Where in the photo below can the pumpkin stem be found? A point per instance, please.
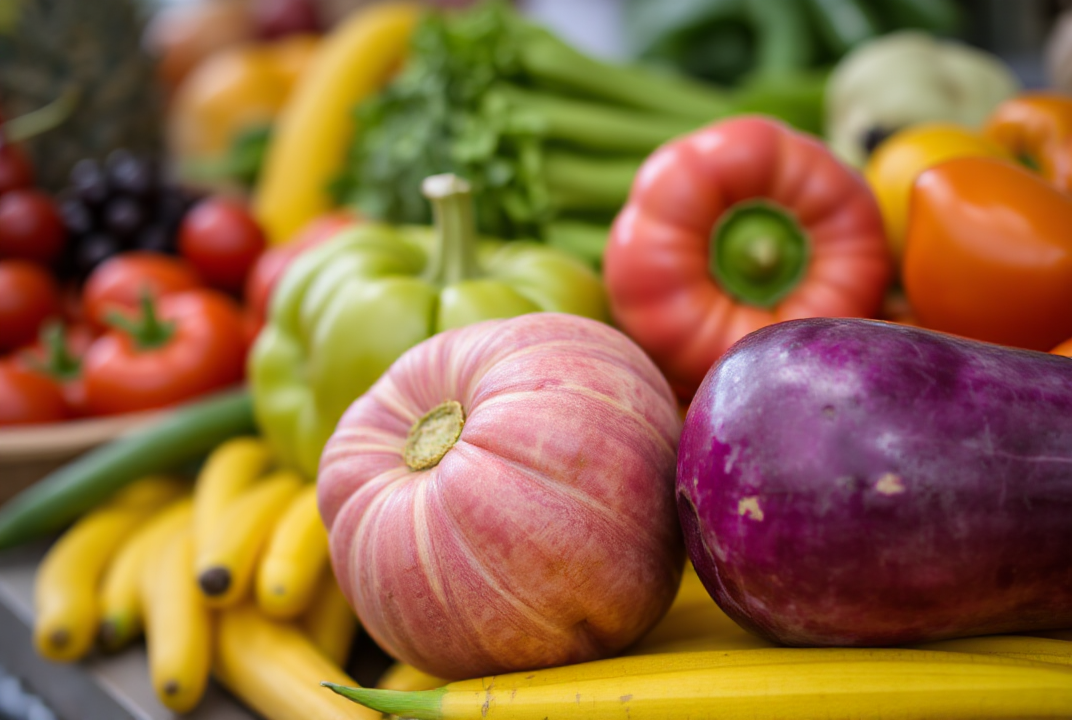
(433, 435)
(452, 207)
(758, 253)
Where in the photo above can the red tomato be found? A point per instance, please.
(120, 282)
(28, 297)
(30, 226)
(193, 345)
(220, 238)
(270, 266)
(27, 397)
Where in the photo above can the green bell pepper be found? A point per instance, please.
(344, 311)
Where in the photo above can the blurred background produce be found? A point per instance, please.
(166, 165)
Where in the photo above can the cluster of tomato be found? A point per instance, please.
(142, 331)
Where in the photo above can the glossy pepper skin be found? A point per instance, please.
(894, 166)
(1036, 128)
(737, 226)
(989, 254)
(344, 311)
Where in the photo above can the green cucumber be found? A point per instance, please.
(184, 434)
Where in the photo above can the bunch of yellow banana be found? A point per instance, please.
(697, 663)
(229, 575)
(804, 684)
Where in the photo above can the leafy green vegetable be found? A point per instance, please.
(535, 126)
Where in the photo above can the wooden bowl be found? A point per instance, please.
(29, 452)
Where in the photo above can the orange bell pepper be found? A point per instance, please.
(1036, 128)
(989, 254)
(894, 166)
(741, 224)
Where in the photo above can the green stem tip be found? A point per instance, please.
(758, 253)
(417, 704)
(147, 329)
(452, 207)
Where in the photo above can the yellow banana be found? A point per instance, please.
(275, 669)
(330, 621)
(227, 559)
(67, 610)
(314, 129)
(1038, 649)
(229, 471)
(120, 597)
(178, 632)
(404, 678)
(294, 560)
(804, 684)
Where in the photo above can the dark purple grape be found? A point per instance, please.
(77, 218)
(93, 250)
(123, 217)
(156, 238)
(90, 182)
(130, 174)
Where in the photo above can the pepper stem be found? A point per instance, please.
(452, 208)
(416, 704)
(758, 253)
(147, 329)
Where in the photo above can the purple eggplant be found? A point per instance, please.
(854, 482)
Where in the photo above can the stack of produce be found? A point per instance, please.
(775, 485)
(120, 295)
(549, 138)
(348, 308)
(507, 487)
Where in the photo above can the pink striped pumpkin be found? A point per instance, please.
(540, 532)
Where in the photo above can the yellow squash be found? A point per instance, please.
(230, 470)
(120, 597)
(66, 604)
(274, 668)
(228, 557)
(178, 633)
(296, 556)
(313, 130)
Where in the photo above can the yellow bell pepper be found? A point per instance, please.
(234, 91)
(314, 129)
(895, 165)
